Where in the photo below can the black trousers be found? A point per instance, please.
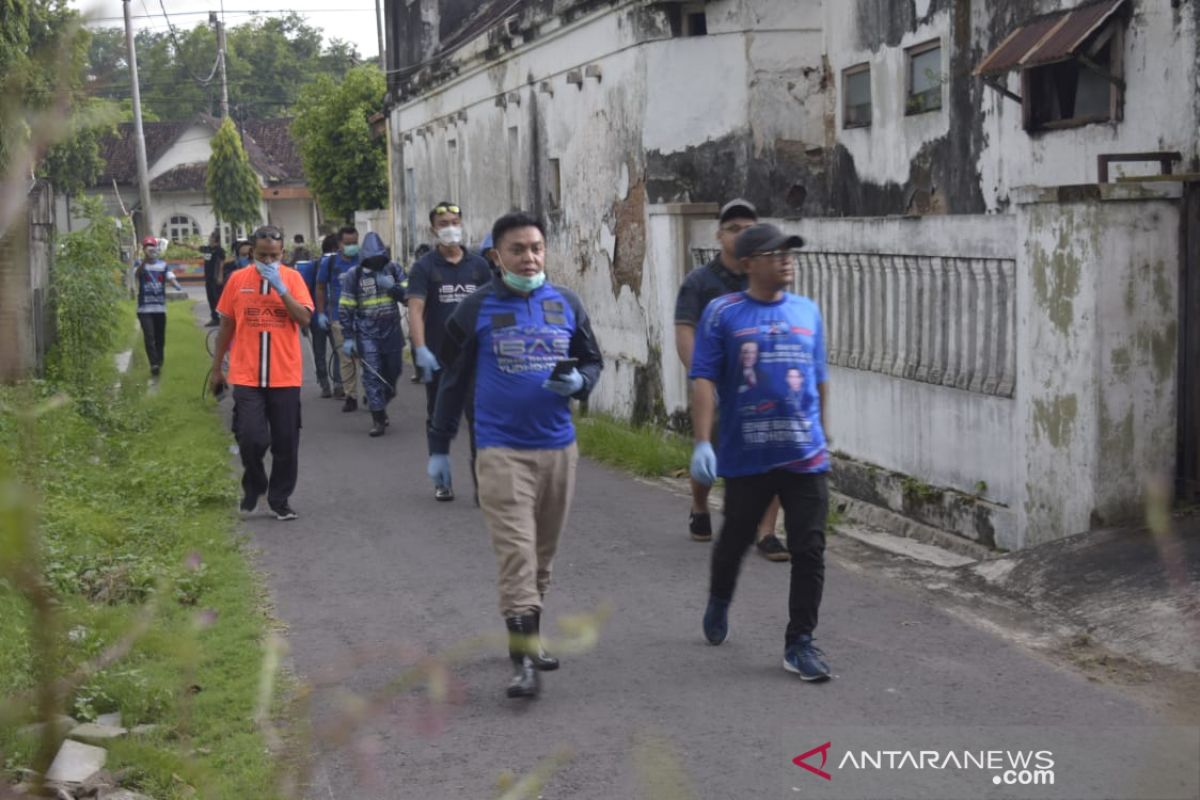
(320, 344)
(805, 500)
(213, 293)
(154, 333)
(431, 390)
(268, 419)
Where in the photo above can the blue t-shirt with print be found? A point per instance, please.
(766, 360)
(329, 275)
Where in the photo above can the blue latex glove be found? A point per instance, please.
(322, 321)
(384, 282)
(565, 386)
(350, 348)
(704, 464)
(428, 363)
(439, 469)
(270, 272)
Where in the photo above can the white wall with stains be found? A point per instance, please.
(653, 93)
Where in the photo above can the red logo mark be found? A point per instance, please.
(824, 751)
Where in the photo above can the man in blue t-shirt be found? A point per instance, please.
(718, 277)
(762, 352)
(437, 283)
(528, 348)
(329, 291)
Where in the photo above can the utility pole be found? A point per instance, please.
(143, 170)
(220, 25)
(379, 30)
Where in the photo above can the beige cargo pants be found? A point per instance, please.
(525, 496)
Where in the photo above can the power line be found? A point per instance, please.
(241, 12)
(179, 49)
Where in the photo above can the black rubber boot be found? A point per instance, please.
(525, 682)
(378, 423)
(351, 404)
(542, 661)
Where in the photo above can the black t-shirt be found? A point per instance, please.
(443, 286)
(702, 286)
(214, 262)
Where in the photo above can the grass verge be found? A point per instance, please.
(135, 507)
(647, 451)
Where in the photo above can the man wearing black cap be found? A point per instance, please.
(718, 277)
(772, 439)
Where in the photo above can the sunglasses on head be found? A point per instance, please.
(269, 233)
(448, 209)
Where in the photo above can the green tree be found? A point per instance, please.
(345, 165)
(268, 60)
(231, 183)
(46, 122)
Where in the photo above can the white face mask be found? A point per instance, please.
(451, 234)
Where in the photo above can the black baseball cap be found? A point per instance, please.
(737, 209)
(764, 238)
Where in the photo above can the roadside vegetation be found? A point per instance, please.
(122, 585)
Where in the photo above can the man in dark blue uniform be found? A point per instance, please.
(772, 436)
(437, 283)
(370, 318)
(528, 348)
(329, 287)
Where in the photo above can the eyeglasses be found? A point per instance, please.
(268, 233)
(778, 255)
(447, 209)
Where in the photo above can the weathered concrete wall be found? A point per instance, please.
(914, 401)
(640, 125)
(968, 157)
(1096, 370)
(1160, 110)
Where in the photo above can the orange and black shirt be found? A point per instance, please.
(265, 351)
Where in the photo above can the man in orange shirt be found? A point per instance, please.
(262, 308)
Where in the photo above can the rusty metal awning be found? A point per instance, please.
(1049, 39)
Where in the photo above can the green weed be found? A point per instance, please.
(135, 507)
(645, 451)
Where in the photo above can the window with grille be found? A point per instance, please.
(180, 227)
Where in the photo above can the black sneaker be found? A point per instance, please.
(350, 405)
(212, 323)
(155, 369)
(326, 391)
(770, 548)
(443, 493)
(248, 504)
(284, 513)
(700, 526)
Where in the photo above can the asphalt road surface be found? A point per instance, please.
(376, 572)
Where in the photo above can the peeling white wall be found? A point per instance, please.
(658, 94)
(884, 151)
(192, 147)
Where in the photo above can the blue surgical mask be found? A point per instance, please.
(523, 283)
(243, 261)
(350, 250)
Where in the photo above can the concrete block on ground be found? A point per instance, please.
(76, 762)
(92, 730)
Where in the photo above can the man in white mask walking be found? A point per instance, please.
(437, 283)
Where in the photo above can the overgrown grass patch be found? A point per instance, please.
(647, 451)
(136, 506)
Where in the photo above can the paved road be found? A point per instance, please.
(374, 563)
